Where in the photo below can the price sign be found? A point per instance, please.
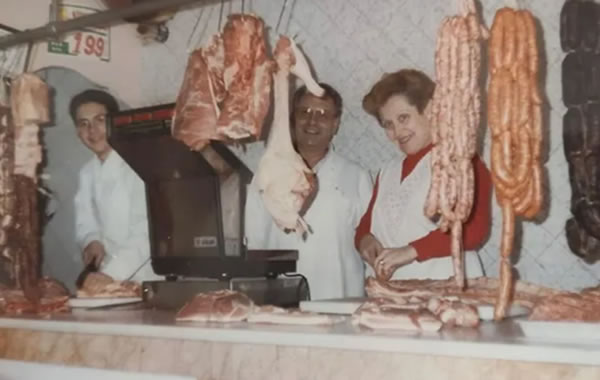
(90, 43)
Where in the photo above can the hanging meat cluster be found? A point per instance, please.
(581, 124)
(455, 118)
(20, 235)
(283, 179)
(515, 123)
(225, 94)
(8, 197)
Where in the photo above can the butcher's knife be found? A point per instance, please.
(91, 267)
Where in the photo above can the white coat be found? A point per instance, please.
(399, 219)
(110, 206)
(327, 258)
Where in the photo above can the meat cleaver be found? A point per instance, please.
(91, 267)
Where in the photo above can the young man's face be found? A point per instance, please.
(90, 121)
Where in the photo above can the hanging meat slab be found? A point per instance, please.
(29, 109)
(247, 78)
(196, 108)
(283, 179)
(8, 198)
(226, 89)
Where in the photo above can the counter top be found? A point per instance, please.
(504, 341)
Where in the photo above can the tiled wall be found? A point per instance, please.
(351, 43)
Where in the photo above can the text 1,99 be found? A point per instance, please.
(92, 45)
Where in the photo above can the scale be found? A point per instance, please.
(196, 216)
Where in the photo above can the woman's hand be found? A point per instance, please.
(370, 248)
(393, 258)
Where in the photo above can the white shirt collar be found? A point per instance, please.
(324, 160)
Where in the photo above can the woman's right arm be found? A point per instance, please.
(367, 245)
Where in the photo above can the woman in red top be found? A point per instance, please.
(394, 236)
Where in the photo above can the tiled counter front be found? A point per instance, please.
(218, 360)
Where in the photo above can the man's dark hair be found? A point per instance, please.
(330, 93)
(93, 96)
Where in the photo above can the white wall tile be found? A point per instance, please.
(350, 43)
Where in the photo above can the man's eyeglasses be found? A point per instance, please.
(87, 123)
(318, 114)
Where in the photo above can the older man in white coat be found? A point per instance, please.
(110, 204)
(327, 257)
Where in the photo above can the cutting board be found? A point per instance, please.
(348, 306)
(344, 306)
(561, 331)
(97, 302)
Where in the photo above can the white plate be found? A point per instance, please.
(97, 302)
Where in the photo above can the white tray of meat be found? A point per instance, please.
(90, 302)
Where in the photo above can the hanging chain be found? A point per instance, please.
(221, 13)
(195, 26)
(280, 15)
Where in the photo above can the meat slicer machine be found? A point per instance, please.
(195, 206)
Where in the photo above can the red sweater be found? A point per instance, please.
(438, 243)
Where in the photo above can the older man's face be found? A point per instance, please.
(316, 121)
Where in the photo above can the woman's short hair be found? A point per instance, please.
(415, 85)
(93, 96)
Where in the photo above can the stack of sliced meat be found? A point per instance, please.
(283, 179)
(226, 88)
(54, 298)
(227, 306)
(572, 307)
(480, 291)
(100, 285)
(455, 114)
(415, 313)
(515, 123)
(581, 125)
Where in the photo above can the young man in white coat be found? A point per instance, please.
(327, 257)
(110, 204)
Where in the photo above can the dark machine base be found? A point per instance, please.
(172, 295)
(257, 263)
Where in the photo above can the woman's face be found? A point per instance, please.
(404, 125)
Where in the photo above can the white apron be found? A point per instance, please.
(398, 219)
(327, 257)
(111, 207)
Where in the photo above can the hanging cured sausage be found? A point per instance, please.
(454, 116)
(515, 123)
(579, 37)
